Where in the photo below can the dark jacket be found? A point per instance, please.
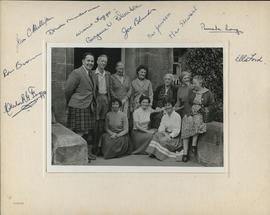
(159, 95)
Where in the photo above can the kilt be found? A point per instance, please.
(80, 120)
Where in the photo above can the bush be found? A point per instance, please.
(208, 62)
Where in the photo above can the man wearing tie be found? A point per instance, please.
(102, 82)
(80, 98)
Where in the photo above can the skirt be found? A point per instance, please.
(80, 120)
(192, 125)
(115, 147)
(140, 141)
(163, 148)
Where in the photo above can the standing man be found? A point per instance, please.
(121, 87)
(80, 97)
(102, 83)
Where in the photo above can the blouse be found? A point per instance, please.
(142, 87)
(171, 124)
(117, 122)
(142, 117)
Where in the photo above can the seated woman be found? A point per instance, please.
(115, 142)
(141, 134)
(166, 90)
(200, 102)
(166, 142)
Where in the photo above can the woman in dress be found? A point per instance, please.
(165, 143)
(141, 134)
(166, 90)
(198, 105)
(141, 86)
(115, 142)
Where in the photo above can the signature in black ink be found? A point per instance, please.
(182, 23)
(159, 25)
(246, 58)
(121, 15)
(26, 101)
(217, 29)
(19, 65)
(30, 30)
(137, 20)
(51, 31)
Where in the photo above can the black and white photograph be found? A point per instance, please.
(153, 107)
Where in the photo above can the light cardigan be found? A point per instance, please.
(172, 122)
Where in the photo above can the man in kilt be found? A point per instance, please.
(80, 98)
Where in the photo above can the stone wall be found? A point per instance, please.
(62, 65)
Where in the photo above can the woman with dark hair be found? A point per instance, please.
(115, 142)
(198, 106)
(141, 86)
(166, 90)
(166, 142)
(141, 134)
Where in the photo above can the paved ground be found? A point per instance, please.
(142, 160)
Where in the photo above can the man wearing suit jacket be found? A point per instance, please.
(80, 97)
(103, 96)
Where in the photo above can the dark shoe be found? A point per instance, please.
(185, 158)
(194, 149)
(91, 157)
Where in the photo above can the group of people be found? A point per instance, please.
(119, 117)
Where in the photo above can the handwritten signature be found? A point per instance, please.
(217, 29)
(246, 58)
(31, 30)
(137, 20)
(26, 101)
(182, 22)
(158, 26)
(19, 65)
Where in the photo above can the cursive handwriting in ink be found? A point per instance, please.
(159, 25)
(19, 65)
(217, 29)
(246, 58)
(137, 20)
(19, 42)
(26, 101)
(98, 35)
(121, 15)
(69, 20)
(182, 22)
(35, 27)
(52, 30)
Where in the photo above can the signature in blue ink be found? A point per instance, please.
(99, 18)
(26, 101)
(121, 15)
(246, 58)
(98, 35)
(19, 65)
(158, 26)
(182, 23)
(51, 31)
(30, 30)
(217, 29)
(137, 20)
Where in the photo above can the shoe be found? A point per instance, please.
(185, 158)
(194, 149)
(92, 157)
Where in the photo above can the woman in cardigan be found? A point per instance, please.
(198, 104)
(115, 142)
(166, 90)
(141, 134)
(141, 86)
(121, 87)
(166, 142)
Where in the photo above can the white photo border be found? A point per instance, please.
(49, 168)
